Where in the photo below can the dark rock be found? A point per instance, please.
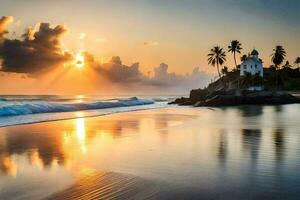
(230, 98)
(187, 103)
(221, 100)
(198, 95)
(179, 100)
(284, 98)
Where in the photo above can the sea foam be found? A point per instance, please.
(49, 107)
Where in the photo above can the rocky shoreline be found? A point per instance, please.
(203, 97)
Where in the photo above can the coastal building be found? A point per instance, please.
(252, 65)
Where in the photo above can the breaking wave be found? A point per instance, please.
(48, 107)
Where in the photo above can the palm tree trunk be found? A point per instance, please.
(220, 75)
(235, 60)
(238, 86)
(218, 70)
(276, 77)
(280, 78)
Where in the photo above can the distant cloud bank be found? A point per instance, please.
(116, 72)
(151, 43)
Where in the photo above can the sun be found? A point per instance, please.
(79, 60)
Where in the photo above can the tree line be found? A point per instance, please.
(217, 57)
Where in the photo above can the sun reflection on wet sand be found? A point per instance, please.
(36, 160)
(81, 134)
(8, 166)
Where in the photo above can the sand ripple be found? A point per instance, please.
(109, 186)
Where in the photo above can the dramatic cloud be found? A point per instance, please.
(38, 51)
(116, 72)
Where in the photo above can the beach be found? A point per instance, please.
(156, 100)
(241, 152)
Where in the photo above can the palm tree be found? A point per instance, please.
(217, 56)
(244, 58)
(297, 61)
(235, 47)
(287, 64)
(224, 70)
(278, 56)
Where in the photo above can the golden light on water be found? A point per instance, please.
(81, 134)
(79, 99)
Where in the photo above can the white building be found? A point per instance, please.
(252, 65)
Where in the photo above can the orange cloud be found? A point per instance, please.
(151, 43)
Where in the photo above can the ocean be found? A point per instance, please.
(170, 152)
(22, 109)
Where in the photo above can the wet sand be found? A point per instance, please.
(249, 152)
(110, 186)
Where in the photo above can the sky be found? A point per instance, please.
(150, 32)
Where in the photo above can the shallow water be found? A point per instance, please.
(248, 152)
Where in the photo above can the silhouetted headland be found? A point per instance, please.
(232, 89)
(249, 82)
(202, 97)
